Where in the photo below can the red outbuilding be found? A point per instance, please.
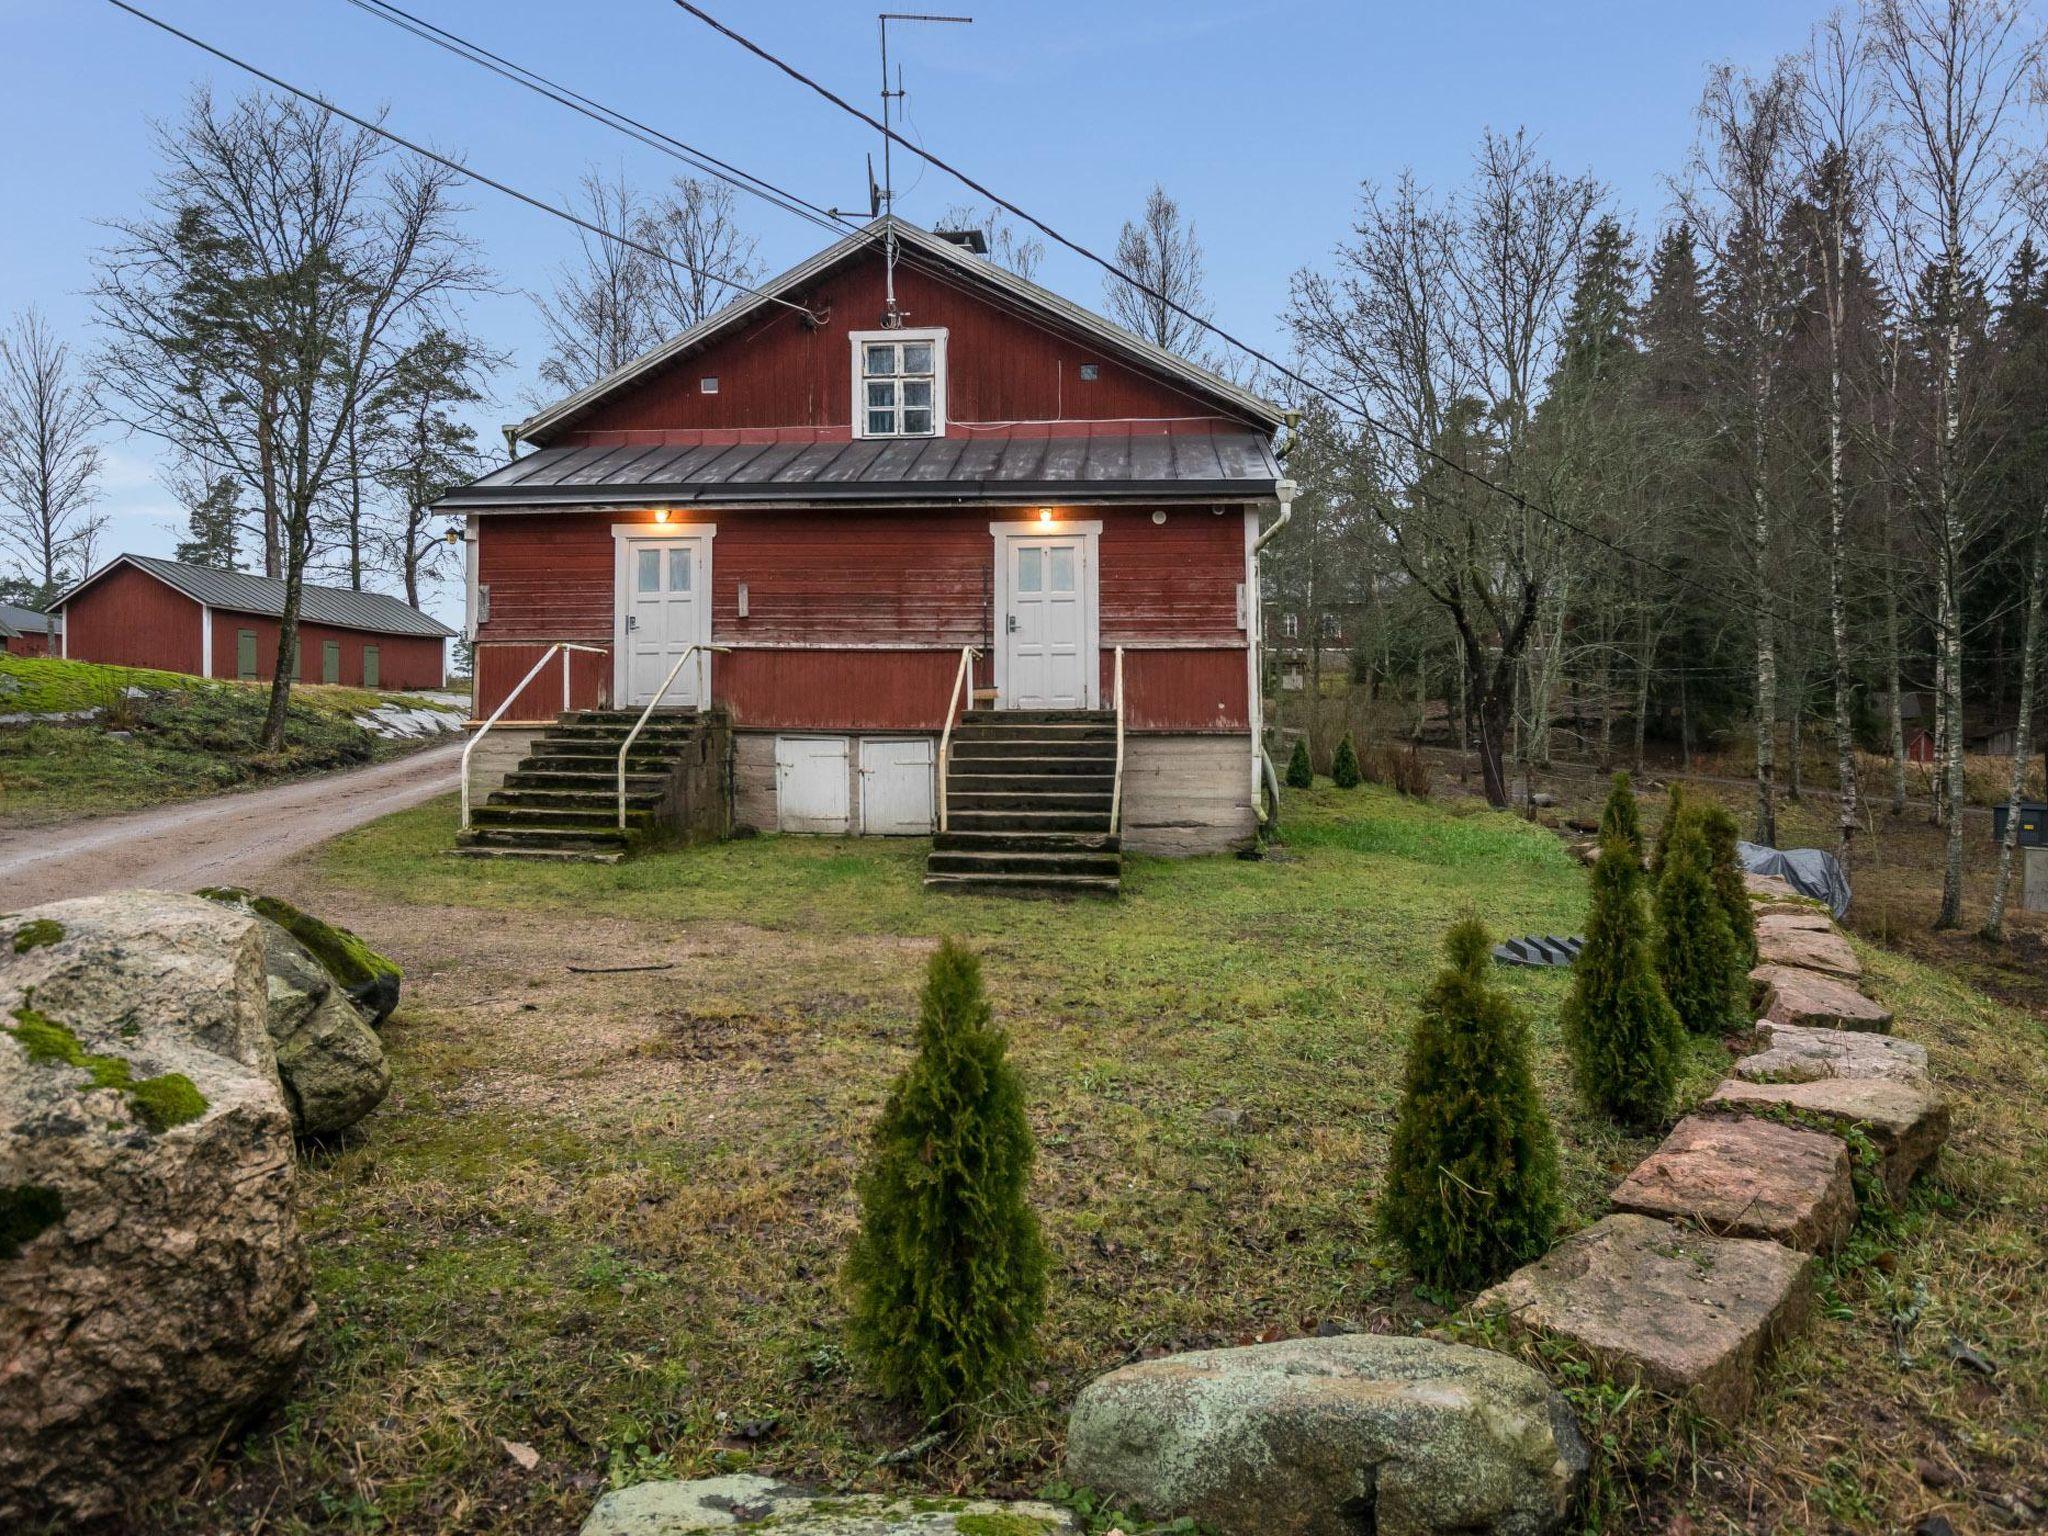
(28, 631)
(139, 611)
(894, 462)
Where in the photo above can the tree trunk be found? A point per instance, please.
(2030, 662)
(1950, 794)
(1489, 697)
(1766, 659)
(1897, 682)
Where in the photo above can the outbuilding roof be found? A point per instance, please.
(17, 620)
(240, 592)
(1120, 465)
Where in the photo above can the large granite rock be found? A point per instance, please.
(371, 980)
(1747, 1178)
(329, 1057)
(1807, 949)
(1791, 1054)
(1780, 917)
(748, 1503)
(1790, 995)
(153, 1286)
(1329, 1437)
(1664, 1305)
(1907, 1122)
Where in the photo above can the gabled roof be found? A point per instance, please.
(17, 620)
(1105, 465)
(239, 592)
(945, 253)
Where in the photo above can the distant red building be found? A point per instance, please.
(139, 611)
(844, 491)
(26, 631)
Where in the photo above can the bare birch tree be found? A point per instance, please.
(599, 315)
(49, 459)
(697, 224)
(1009, 244)
(1160, 250)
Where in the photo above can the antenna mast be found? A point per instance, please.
(890, 317)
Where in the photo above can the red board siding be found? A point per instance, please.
(1181, 690)
(403, 661)
(130, 619)
(37, 644)
(778, 372)
(500, 667)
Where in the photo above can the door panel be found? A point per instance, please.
(811, 784)
(373, 669)
(330, 661)
(1045, 631)
(896, 788)
(665, 606)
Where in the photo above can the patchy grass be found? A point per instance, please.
(603, 1211)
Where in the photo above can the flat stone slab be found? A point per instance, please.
(1792, 1054)
(1771, 887)
(1667, 1306)
(1747, 1178)
(1786, 994)
(1331, 1437)
(1788, 919)
(1807, 949)
(1906, 1121)
(743, 1502)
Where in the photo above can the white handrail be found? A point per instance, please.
(565, 647)
(703, 655)
(968, 655)
(1116, 791)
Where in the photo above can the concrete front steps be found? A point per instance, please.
(561, 802)
(1028, 797)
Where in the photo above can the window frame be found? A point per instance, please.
(857, 403)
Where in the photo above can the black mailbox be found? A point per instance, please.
(2033, 824)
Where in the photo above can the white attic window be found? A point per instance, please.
(899, 383)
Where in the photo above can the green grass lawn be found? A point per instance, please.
(603, 1211)
(180, 736)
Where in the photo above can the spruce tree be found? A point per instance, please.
(1299, 774)
(1724, 866)
(1699, 959)
(947, 1276)
(1621, 1030)
(1674, 808)
(1344, 766)
(1621, 818)
(1472, 1171)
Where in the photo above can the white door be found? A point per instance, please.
(811, 784)
(1049, 594)
(896, 788)
(665, 607)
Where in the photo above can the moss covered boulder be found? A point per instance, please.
(743, 1502)
(154, 1290)
(370, 980)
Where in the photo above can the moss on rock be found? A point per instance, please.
(26, 1212)
(370, 979)
(37, 934)
(161, 1102)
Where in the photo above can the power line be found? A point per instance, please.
(453, 165)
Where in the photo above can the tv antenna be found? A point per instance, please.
(883, 200)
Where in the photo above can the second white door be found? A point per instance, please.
(1046, 623)
(665, 604)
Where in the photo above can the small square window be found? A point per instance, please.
(881, 360)
(917, 357)
(898, 384)
(708, 385)
(1090, 372)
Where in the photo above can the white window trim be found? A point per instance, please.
(623, 535)
(1091, 593)
(857, 399)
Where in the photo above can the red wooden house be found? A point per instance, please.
(849, 498)
(28, 631)
(139, 611)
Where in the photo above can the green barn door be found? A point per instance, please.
(373, 670)
(330, 661)
(245, 653)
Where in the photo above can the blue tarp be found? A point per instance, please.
(1809, 871)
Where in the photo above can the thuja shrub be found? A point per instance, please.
(1621, 817)
(1622, 1033)
(1699, 959)
(1724, 866)
(1344, 766)
(1299, 774)
(947, 1275)
(1674, 808)
(1472, 1174)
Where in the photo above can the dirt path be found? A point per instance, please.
(223, 840)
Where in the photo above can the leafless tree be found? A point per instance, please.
(1954, 74)
(1009, 245)
(1167, 302)
(286, 265)
(49, 460)
(696, 224)
(600, 314)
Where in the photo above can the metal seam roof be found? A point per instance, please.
(240, 592)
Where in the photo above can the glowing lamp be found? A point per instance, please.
(661, 516)
(1045, 514)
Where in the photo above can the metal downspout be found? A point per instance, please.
(1263, 775)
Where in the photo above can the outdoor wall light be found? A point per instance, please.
(1159, 517)
(1045, 514)
(661, 516)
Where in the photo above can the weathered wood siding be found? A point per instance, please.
(130, 619)
(404, 661)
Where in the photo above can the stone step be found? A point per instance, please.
(493, 815)
(1792, 1054)
(686, 714)
(1026, 821)
(552, 855)
(1663, 1305)
(983, 749)
(1025, 885)
(593, 757)
(1786, 994)
(1747, 1178)
(597, 780)
(987, 730)
(594, 798)
(579, 838)
(1016, 717)
(1095, 802)
(956, 839)
(1034, 863)
(1024, 766)
(1907, 1122)
(1807, 949)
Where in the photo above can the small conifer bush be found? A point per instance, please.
(1621, 817)
(1621, 1030)
(1699, 959)
(1472, 1174)
(1299, 774)
(1725, 866)
(1344, 766)
(947, 1276)
(1674, 808)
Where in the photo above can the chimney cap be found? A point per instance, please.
(967, 239)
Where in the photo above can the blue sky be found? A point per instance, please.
(1262, 118)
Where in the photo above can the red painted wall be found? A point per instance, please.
(37, 644)
(834, 589)
(404, 661)
(130, 619)
(1001, 367)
